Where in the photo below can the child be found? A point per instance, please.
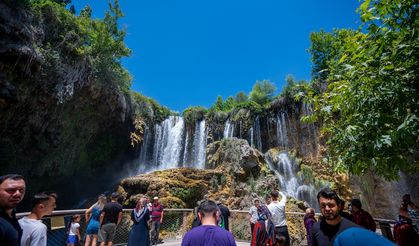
(73, 230)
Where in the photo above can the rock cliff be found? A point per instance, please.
(58, 123)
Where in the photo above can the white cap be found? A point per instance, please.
(155, 198)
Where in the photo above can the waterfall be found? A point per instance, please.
(309, 194)
(228, 129)
(286, 170)
(307, 110)
(169, 145)
(186, 154)
(255, 136)
(281, 130)
(174, 144)
(200, 143)
(144, 147)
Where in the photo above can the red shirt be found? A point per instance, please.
(364, 219)
(156, 211)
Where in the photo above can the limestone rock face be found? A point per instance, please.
(57, 121)
(236, 173)
(236, 156)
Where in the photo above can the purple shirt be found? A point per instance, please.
(308, 223)
(208, 235)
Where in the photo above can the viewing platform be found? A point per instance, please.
(177, 222)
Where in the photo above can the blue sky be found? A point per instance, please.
(187, 52)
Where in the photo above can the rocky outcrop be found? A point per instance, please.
(58, 124)
(236, 156)
(236, 173)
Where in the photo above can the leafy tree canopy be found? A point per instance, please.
(241, 97)
(262, 92)
(100, 41)
(369, 108)
(294, 89)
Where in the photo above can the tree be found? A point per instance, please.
(370, 106)
(218, 106)
(86, 12)
(72, 9)
(321, 51)
(229, 103)
(241, 97)
(262, 92)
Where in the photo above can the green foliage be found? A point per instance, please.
(321, 51)
(100, 41)
(194, 114)
(370, 106)
(308, 176)
(294, 89)
(229, 103)
(262, 92)
(252, 106)
(215, 116)
(225, 106)
(241, 97)
(149, 109)
(189, 195)
(160, 112)
(137, 135)
(86, 12)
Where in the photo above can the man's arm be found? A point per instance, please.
(161, 218)
(284, 197)
(119, 218)
(78, 233)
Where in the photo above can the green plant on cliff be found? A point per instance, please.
(160, 112)
(252, 106)
(138, 134)
(309, 176)
(369, 107)
(149, 109)
(294, 90)
(194, 114)
(189, 195)
(262, 92)
(100, 41)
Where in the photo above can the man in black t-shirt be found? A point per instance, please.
(325, 231)
(110, 217)
(12, 191)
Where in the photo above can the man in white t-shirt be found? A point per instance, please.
(277, 209)
(34, 231)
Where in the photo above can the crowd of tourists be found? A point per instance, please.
(268, 223)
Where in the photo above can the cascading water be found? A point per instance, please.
(286, 170)
(228, 130)
(200, 143)
(173, 146)
(168, 147)
(281, 130)
(255, 136)
(307, 110)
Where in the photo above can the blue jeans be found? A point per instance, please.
(155, 229)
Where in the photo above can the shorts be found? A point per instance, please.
(107, 232)
(281, 233)
(72, 239)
